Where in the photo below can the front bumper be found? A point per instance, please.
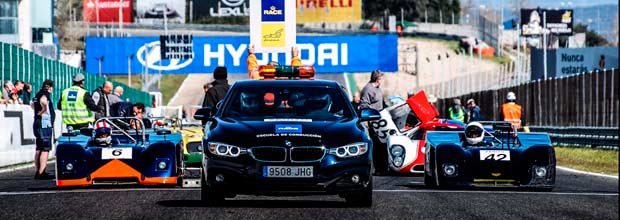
(330, 176)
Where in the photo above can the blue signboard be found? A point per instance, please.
(328, 54)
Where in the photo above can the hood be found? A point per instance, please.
(421, 107)
(277, 132)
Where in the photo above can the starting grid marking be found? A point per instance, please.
(376, 191)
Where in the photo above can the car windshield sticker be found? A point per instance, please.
(287, 120)
(288, 135)
(288, 129)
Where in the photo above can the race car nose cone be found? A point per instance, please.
(355, 179)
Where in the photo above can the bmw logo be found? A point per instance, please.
(288, 143)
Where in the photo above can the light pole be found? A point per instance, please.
(99, 60)
(129, 58)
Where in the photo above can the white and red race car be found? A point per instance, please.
(403, 128)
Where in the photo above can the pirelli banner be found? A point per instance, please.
(317, 11)
(272, 25)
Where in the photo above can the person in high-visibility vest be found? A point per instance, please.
(77, 105)
(512, 111)
(252, 64)
(296, 61)
(457, 112)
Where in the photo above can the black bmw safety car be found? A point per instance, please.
(286, 137)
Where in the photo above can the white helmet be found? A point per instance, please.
(474, 133)
(511, 96)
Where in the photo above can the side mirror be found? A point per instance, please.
(86, 132)
(203, 114)
(369, 114)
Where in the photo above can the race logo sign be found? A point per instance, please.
(272, 25)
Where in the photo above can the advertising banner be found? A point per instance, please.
(107, 11)
(220, 8)
(154, 11)
(559, 22)
(272, 25)
(316, 11)
(569, 61)
(328, 54)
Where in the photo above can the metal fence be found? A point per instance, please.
(584, 100)
(20, 64)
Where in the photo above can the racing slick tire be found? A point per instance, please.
(207, 195)
(362, 198)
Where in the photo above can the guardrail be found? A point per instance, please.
(594, 137)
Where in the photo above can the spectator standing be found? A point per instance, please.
(77, 105)
(356, 102)
(296, 61)
(101, 97)
(19, 88)
(432, 99)
(457, 112)
(27, 94)
(6, 90)
(473, 111)
(218, 91)
(512, 111)
(116, 96)
(371, 95)
(43, 127)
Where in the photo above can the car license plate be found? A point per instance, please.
(288, 171)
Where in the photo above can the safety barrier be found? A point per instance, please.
(19, 64)
(594, 137)
(17, 137)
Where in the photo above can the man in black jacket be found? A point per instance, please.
(219, 89)
(100, 96)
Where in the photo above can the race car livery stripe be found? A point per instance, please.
(159, 180)
(74, 182)
(115, 169)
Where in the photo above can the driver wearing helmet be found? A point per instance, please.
(103, 133)
(474, 134)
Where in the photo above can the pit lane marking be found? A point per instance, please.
(376, 191)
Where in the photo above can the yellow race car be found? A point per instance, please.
(192, 153)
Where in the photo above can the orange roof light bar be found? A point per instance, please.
(290, 72)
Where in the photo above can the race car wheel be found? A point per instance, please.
(429, 181)
(362, 198)
(207, 194)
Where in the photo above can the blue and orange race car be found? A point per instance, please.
(118, 153)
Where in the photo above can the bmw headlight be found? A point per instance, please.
(397, 151)
(69, 167)
(350, 150)
(226, 150)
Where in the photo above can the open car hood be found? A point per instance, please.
(421, 107)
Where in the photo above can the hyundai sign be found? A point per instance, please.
(328, 54)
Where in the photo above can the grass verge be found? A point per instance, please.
(170, 83)
(586, 159)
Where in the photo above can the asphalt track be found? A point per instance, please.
(576, 196)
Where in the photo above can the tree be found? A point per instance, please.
(593, 39)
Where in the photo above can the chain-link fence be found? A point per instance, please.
(20, 64)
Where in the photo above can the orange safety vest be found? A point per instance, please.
(512, 114)
(296, 61)
(253, 67)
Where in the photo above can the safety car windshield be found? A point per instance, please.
(316, 103)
